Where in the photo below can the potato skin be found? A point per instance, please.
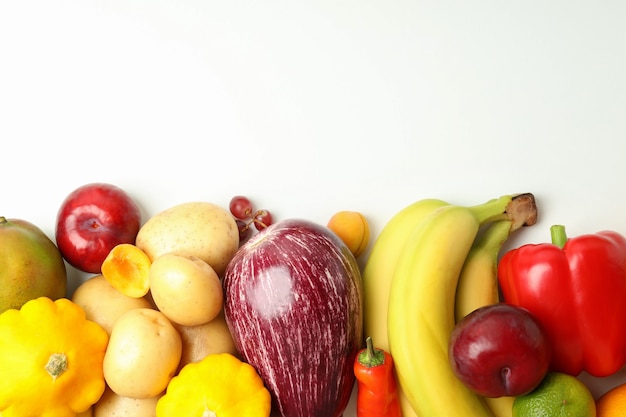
(113, 405)
(196, 228)
(143, 354)
(205, 339)
(103, 303)
(186, 289)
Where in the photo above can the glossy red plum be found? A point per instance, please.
(92, 220)
(499, 350)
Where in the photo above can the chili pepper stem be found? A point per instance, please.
(377, 387)
(369, 345)
(370, 356)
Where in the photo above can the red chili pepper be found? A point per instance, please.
(377, 394)
(576, 288)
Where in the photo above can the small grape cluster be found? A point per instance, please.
(246, 216)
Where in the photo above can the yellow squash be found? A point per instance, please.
(50, 360)
(218, 385)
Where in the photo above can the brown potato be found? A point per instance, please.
(113, 405)
(199, 228)
(143, 354)
(205, 339)
(103, 303)
(186, 289)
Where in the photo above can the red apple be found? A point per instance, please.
(499, 350)
(92, 220)
(293, 304)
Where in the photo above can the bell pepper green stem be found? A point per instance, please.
(558, 235)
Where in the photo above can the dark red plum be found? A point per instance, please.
(499, 350)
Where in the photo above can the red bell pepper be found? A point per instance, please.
(576, 288)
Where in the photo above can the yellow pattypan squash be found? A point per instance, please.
(50, 360)
(220, 385)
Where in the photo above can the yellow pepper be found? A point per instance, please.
(220, 385)
(50, 360)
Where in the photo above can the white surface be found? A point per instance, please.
(314, 106)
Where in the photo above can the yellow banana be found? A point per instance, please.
(478, 281)
(379, 268)
(381, 263)
(478, 286)
(501, 406)
(421, 309)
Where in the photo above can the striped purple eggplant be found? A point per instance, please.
(293, 303)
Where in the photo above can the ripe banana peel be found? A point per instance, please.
(478, 286)
(379, 269)
(501, 406)
(421, 314)
(381, 263)
(421, 308)
(478, 281)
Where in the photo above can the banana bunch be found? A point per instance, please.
(433, 263)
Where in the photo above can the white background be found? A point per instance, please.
(310, 107)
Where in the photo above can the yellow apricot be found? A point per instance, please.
(127, 269)
(353, 229)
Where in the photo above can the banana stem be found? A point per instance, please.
(492, 210)
(520, 209)
(492, 240)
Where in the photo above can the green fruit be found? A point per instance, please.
(558, 395)
(31, 265)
